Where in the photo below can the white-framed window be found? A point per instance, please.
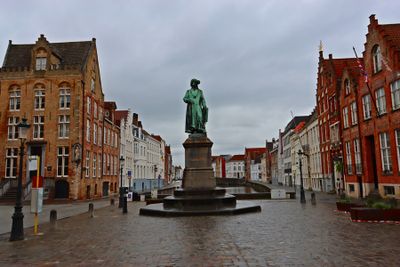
(104, 164)
(109, 136)
(15, 100)
(63, 126)
(95, 109)
(13, 132)
(88, 130)
(94, 165)
(347, 86)
(366, 100)
(108, 164)
(64, 98)
(41, 63)
(377, 58)
(39, 99)
(348, 158)
(87, 164)
(88, 106)
(99, 165)
(38, 127)
(398, 146)
(395, 89)
(100, 113)
(380, 101)
(353, 108)
(94, 133)
(100, 135)
(385, 152)
(357, 156)
(92, 84)
(62, 161)
(105, 136)
(11, 162)
(345, 117)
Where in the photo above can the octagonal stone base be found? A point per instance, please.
(199, 195)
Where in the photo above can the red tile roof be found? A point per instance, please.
(237, 158)
(299, 126)
(119, 115)
(339, 64)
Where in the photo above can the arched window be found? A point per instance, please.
(377, 58)
(14, 98)
(347, 86)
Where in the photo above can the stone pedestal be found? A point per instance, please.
(199, 195)
(198, 173)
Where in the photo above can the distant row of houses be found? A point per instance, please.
(351, 141)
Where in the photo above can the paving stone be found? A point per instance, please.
(285, 233)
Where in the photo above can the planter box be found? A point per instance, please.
(370, 214)
(347, 206)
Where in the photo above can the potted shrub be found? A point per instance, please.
(377, 210)
(345, 203)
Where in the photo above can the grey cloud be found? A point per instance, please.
(257, 60)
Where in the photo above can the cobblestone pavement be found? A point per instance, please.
(63, 211)
(285, 233)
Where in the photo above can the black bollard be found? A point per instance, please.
(53, 219)
(91, 210)
(125, 207)
(112, 202)
(313, 200)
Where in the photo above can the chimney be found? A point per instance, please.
(93, 40)
(135, 119)
(330, 56)
(373, 20)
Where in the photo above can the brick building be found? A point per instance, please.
(330, 73)
(57, 88)
(372, 136)
(111, 150)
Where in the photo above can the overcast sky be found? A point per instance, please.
(256, 60)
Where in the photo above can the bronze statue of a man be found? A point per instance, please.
(197, 111)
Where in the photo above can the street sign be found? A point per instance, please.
(36, 200)
(33, 163)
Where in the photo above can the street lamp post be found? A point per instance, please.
(302, 195)
(121, 191)
(17, 229)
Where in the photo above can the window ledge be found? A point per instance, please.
(387, 173)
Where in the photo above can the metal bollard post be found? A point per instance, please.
(53, 219)
(91, 210)
(125, 207)
(313, 200)
(112, 202)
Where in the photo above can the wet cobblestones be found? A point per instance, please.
(285, 233)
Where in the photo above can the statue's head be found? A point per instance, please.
(194, 83)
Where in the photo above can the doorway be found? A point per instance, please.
(105, 188)
(371, 160)
(61, 189)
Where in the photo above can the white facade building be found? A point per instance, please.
(124, 119)
(255, 169)
(235, 167)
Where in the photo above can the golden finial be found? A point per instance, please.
(321, 48)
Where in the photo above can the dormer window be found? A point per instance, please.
(377, 58)
(41, 63)
(347, 86)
